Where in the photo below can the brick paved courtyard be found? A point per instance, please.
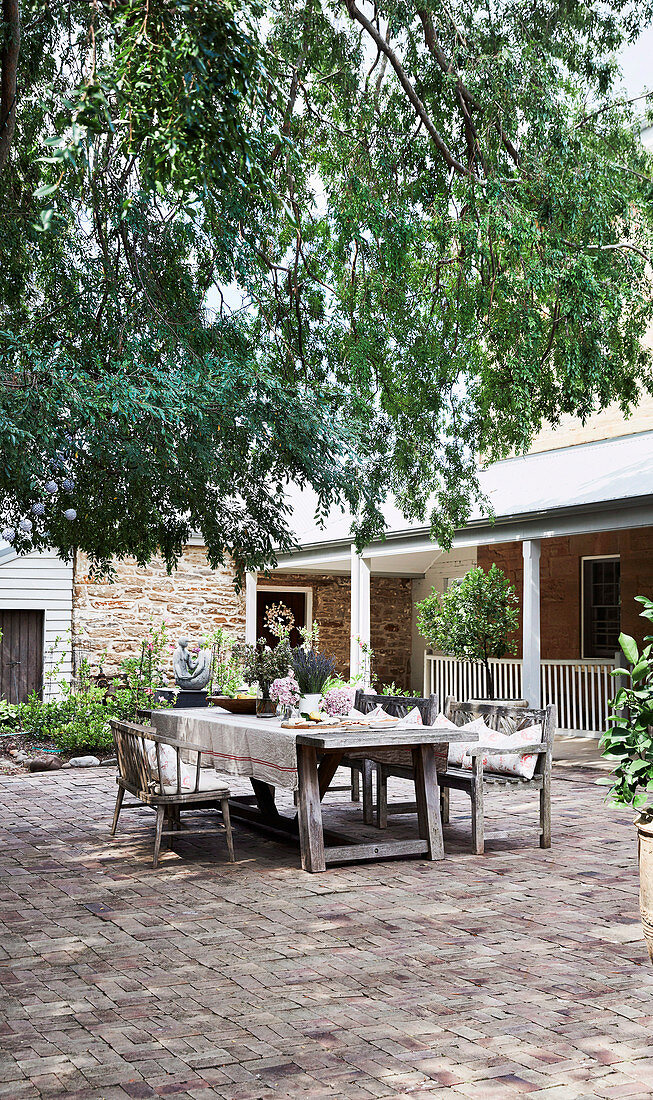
(517, 972)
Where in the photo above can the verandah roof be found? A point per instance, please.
(600, 486)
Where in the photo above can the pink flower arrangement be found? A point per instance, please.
(338, 701)
(285, 691)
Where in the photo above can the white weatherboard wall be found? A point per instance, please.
(42, 582)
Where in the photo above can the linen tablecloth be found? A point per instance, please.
(236, 744)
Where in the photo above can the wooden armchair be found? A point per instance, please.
(508, 720)
(397, 705)
(151, 768)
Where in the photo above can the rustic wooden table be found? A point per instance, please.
(231, 747)
(318, 757)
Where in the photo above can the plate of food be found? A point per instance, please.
(314, 721)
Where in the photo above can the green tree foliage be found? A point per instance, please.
(437, 217)
(473, 619)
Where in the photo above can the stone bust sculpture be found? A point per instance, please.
(192, 671)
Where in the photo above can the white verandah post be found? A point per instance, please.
(365, 613)
(250, 607)
(531, 623)
(360, 611)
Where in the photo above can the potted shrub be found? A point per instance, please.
(473, 619)
(312, 671)
(628, 743)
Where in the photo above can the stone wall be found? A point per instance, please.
(607, 424)
(391, 620)
(560, 571)
(195, 599)
(114, 617)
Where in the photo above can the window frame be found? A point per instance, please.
(583, 604)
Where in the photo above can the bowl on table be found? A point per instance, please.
(246, 705)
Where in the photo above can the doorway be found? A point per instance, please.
(21, 654)
(298, 600)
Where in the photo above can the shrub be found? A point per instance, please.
(79, 719)
(85, 733)
(628, 742)
(473, 619)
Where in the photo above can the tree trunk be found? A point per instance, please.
(8, 76)
(489, 679)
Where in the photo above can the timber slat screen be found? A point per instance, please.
(21, 654)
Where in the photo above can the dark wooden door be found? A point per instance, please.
(296, 601)
(21, 654)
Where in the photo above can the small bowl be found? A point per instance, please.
(234, 706)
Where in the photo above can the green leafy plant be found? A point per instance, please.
(87, 731)
(261, 665)
(392, 689)
(226, 672)
(628, 740)
(8, 713)
(78, 718)
(473, 619)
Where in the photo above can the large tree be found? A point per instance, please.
(438, 218)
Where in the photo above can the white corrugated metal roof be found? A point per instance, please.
(585, 474)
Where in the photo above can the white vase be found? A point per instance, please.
(310, 703)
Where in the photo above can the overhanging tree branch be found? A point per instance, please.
(420, 109)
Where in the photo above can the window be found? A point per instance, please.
(601, 607)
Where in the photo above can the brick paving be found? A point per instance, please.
(520, 972)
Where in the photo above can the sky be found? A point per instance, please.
(637, 63)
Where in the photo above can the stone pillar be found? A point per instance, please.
(531, 619)
(250, 607)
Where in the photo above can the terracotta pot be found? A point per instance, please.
(645, 834)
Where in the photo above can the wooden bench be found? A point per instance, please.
(151, 785)
(474, 782)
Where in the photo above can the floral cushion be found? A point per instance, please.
(458, 749)
(509, 762)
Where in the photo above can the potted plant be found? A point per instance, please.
(473, 619)
(262, 665)
(312, 671)
(628, 743)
